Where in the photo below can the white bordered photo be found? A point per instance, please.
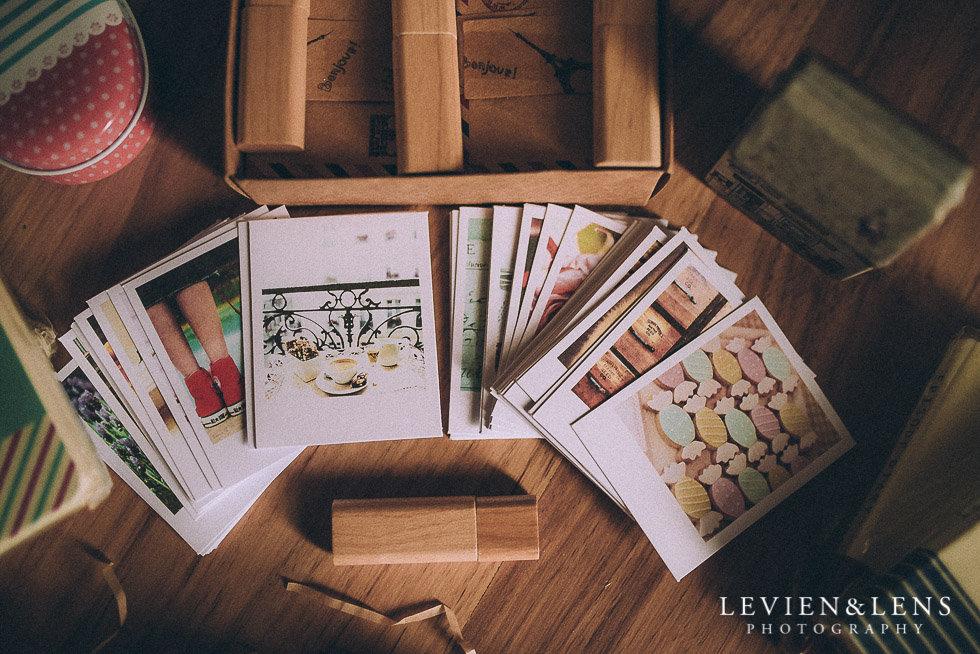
(683, 303)
(342, 329)
(713, 437)
(189, 309)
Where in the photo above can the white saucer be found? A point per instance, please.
(330, 387)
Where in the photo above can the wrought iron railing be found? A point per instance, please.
(340, 316)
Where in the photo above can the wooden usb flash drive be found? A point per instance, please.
(272, 76)
(435, 529)
(428, 127)
(626, 84)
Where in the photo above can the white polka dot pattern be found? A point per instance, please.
(83, 106)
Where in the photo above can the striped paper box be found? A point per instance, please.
(48, 466)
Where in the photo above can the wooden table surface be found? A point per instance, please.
(599, 585)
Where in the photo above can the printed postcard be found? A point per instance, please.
(135, 378)
(469, 321)
(714, 436)
(123, 455)
(681, 305)
(343, 330)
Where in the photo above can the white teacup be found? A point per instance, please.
(341, 369)
(388, 353)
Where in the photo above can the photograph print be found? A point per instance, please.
(344, 330)
(195, 313)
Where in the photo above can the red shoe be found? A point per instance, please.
(229, 381)
(209, 406)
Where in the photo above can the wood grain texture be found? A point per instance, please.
(404, 530)
(272, 76)
(383, 531)
(626, 84)
(428, 128)
(507, 528)
(598, 586)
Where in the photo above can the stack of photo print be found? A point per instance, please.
(199, 387)
(156, 377)
(623, 343)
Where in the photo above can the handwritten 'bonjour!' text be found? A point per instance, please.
(488, 68)
(339, 67)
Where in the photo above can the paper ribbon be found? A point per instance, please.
(379, 618)
(112, 581)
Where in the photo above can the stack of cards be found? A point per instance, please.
(202, 377)
(623, 343)
(156, 378)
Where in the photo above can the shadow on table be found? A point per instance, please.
(186, 45)
(711, 99)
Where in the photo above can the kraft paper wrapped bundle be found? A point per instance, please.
(840, 177)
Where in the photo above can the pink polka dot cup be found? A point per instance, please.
(73, 88)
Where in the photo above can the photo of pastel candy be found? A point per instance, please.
(753, 484)
(727, 498)
(692, 450)
(710, 428)
(778, 476)
(726, 366)
(672, 378)
(765, 422)
(794, 420)
(776, 363)
(709, 523)
(692, 497)
(740, 427)
(752, 366)
(697, 366)
(675, 423)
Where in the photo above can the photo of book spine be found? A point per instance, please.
(682, 311)
(475, 302)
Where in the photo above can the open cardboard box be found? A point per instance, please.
(501, 164)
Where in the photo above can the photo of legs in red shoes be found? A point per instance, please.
(195, 309)
(218, 392)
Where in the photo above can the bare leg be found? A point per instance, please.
(197, 305)
(207, 403)
(173, 339)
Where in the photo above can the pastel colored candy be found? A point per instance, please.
(726, 366)
(695, 404)
(672, 378)
(710, 428)
(710, 475)
(752, 366)
(753, 484)
(673, 473)
(697, 366)
(765, 421)
(692, 450)
(725, 453)
(709, 523)
(794, 420)
(727, 498)
(676, 425)
(692, 497)
(740, 427)
(777, 364)
(778, 476)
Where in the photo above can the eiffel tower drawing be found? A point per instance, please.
(564, 68)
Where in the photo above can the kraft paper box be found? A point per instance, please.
(532, 146)
(50, 468)
(840, 177)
